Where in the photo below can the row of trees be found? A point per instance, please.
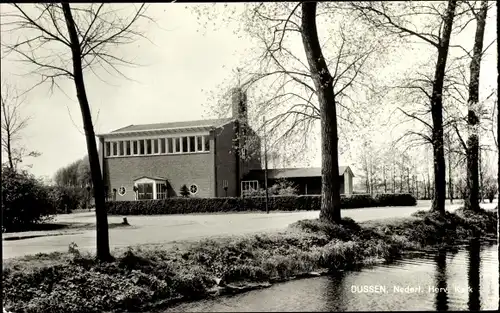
(391, 169)
(76, 174)
(334, 80)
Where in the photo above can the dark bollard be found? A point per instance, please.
(125, 222)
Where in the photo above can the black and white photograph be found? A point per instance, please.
(250, 156)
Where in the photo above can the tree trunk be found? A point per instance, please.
(438, 204)
(9, 151)
(393, 179)
(408, 179)
(498, 150)
(428, 186)
(401, 177)
(415, 179)
(425, 187)
(330, 185)
(372, 184)
(472, 200)
(481, 185)
(385, 181)
(450, 172)
(103, 252)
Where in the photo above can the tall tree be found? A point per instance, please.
(383, 17)
(330, 185)
(63, 42)
(498, 139)
(14, 123)
(289, 89)
(472, 147)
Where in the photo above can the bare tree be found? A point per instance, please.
(61, 42)
(13, 124)
(498, 138)
(290, 90)
(385, 16)
(474, 110)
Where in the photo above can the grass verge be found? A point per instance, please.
(145, 279)
(47, 227)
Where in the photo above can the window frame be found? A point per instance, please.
(159, 192)
(197, 189)
(190, 143)
(145, 193)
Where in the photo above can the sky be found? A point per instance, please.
(178, 70)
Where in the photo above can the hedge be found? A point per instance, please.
(229, 204)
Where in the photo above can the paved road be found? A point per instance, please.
(169, 228)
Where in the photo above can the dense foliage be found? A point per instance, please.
(281, 203)
(66, 199)
(25, 201)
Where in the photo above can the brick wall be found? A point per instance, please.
(178, 169)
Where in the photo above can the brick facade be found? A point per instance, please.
(207, 170)
(178, 169)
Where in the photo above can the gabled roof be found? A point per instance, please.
(277, 173)
(151, 177)
(171, 127)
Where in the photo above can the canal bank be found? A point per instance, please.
(149, 279)
(463, 280)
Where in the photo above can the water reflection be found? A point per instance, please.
(475, 267)
(474, 270)
(441, 300)
(335, 293)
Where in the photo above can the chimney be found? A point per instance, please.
(239, 105)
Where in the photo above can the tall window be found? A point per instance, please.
(185, 144)
(161, 191)
(199, 143)
(141, 147)
(207, 143)
(155, 145)
(162, 146)
(136, 148)
(170, 145)
(149, 146)
(145, 191)
(108, 148)
(192, 144)
(177, 145)
(127, 147)
(122, 149)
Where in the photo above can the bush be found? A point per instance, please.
(282, 187)
(25, 200)
(282, 203)
(67, 199)
(402, 199)
(184, 191)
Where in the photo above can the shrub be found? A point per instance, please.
(184, 191)
(67, 199)
(25, 200)
(282, 187)
(232, 204)
(402, 199)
